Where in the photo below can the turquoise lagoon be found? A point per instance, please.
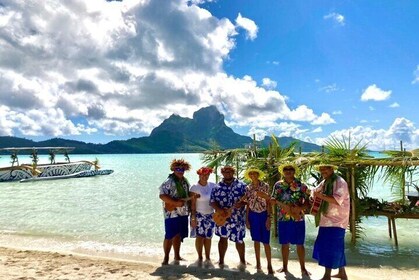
(121, 215)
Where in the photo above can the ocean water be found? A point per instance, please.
(121, 215)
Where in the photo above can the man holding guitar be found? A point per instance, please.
(333, 218)
(227, 200)
(292, 197)
(174, 193)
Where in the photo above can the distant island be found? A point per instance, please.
(175, 134)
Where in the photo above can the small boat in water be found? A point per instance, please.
(53, 170)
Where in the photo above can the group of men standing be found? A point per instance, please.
(238, 206)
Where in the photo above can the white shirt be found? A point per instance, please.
(203, 202)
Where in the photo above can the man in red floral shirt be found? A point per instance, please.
(292, 198)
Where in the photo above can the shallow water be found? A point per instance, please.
(121, 214)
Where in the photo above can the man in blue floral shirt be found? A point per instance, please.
(226, 197)
(174, 192)
(292, 197)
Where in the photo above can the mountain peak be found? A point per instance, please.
(208, 117)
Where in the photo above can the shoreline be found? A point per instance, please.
(24, 263)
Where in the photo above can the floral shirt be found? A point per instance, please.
(226, 196)
(169, 187)
(295, 193)
(254, 202)
(337, 215)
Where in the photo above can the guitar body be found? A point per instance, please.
(169, 206)
(317, 202)
(220, 217)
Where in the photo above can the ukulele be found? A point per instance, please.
(171, 206)
(220, 217)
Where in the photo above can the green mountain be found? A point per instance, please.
(175, 134)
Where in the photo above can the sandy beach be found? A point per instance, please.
(29, 264)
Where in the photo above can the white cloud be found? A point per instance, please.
(337, 112)
(329, 88)
(259, 133)
(381, 139)
(121, 68)
(289, 129)
(371, 108)
(323, 119)
(416, 75)
(317, 130)
(373, 92)
(394, 105)
(248, 25)
(338, 18)
(268, 83)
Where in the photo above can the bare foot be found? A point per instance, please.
(208, 263)
(305, 272)
(242, 266)
(270, 270)
(165, 261)
(283, 269)
(221, 265)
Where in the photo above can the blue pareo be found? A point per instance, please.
(329, 248)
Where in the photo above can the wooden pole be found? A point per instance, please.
(403, 178)
(353, 210)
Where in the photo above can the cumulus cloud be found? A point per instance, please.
(289, 129)
(401, 129)
(338, 18)
(394, 105)
(268, 83)
(248, 25)
(122, 67)
(323, 119)
(260, 134)
(337, 112)
(317, 130)
(373, 92)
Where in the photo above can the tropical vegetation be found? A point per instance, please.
(355, 165)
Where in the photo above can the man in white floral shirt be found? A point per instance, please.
(329, 248)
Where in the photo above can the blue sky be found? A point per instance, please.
(97, 71)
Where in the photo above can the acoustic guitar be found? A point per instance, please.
(317, 202)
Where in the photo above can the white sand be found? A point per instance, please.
(30, 264)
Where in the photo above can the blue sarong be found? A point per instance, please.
(329, 248)
(258, 229)
(292, 232)
(175, 226)
(205, 225)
